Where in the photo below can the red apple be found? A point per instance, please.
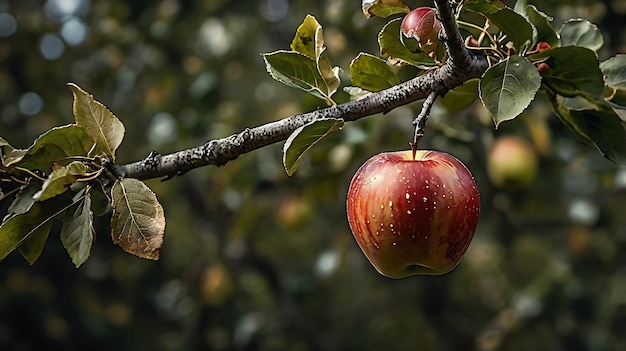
(413, 216)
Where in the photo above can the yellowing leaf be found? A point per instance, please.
(383, 8)
(137, 222)
(102, 126)
(60, 180)
(309, 41)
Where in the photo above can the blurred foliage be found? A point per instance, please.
(256, 260)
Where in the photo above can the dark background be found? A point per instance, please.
(256, 260)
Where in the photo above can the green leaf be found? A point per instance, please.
(543, 24)
(103, 127)
(35, 223)
(383, 8)
(32, 247)
(507, 88)
(56, 144)
(60, 180)
(77, 233)
(483, 6)
(460, 97)
(614, 71)
(137, 222)
(516, 27)
(304, 138)
(595, 123)
(100, 202)
(574, 70)
(24, 199)
(396, 52)
(297, 70)
(371, 73)
(9, 154)
(580, 32)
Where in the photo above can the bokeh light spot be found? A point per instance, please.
(30, 103)
(8, 25)
(51, 47)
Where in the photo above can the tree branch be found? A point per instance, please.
(460, 66)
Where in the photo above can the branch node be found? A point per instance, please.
(153, 159)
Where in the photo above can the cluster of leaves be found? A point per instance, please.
(527, 54)
(61, 177)
(531, 55)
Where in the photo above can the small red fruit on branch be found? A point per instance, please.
(423, 25)
(413, 216)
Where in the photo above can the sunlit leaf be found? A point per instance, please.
(371, 73)
(59, 180)
(329, 74)
(309, 41)
(137, 222)
(396, 52)
(595, 123)
(9, 154)
(34, 223)
(507, 88)
(297, 70)
(383, 8)
(103, 127)
(543, 24)
(304, 40)
(77, 233)
(304, 138)
(574, 70)
(483, 6)
(580, 32)
(54, 145)
(614, 71)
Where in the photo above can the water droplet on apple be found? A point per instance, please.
(376, 245)
(425, 199)
(382, 206)
(408, 212)
(394, 243)
(407, 196)
(390, 204)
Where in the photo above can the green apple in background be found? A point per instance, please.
(413, 215)
(512, 163)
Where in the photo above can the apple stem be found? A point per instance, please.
(420, 121)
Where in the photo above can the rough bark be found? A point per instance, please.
(460, 66)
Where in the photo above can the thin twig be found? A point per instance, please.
(420, 120)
